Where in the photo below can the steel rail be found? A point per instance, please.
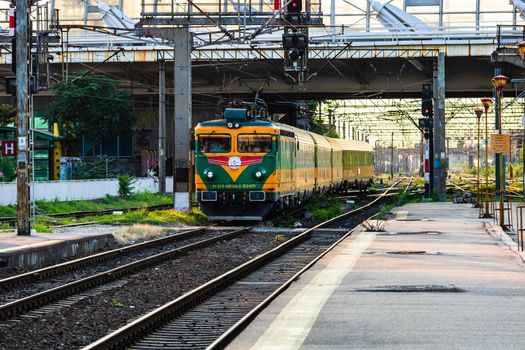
(146, 324)
(236, 329)
(54, 270)
(31, 302)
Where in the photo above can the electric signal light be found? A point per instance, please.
(295, 6)
(426, 101)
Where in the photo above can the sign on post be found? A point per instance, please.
(500, 143)
(8, 148)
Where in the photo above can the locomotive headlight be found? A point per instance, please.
(209, 174)
(229, 125)
(259, 174)
(237, 125)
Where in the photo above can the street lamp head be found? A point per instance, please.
(521, 48)
(499, 82)
(487, 103)
(479, 112)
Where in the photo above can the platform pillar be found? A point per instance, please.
(181, 154)
(162, 127)
(439, 162)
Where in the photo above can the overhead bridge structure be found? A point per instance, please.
(357, 49)
(350, 55)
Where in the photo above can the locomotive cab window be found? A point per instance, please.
(214, 143)
(254, 143)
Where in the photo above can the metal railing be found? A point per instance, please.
(218, 8)
(520, 229)
(509, 35)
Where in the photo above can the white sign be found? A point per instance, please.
(234, 162)
(22, 143)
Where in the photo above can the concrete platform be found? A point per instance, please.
(438, 278)
(43, 248)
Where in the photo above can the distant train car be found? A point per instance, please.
(245, 166)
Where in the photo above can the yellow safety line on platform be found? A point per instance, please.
(292, 325)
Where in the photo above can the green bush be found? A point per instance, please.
(125, 185)
(8, 210)
(324, 208)
(8, 169)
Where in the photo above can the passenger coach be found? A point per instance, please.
(245, 166)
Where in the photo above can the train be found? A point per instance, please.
(247, 165)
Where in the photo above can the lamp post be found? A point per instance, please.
(499, 82)
(487, 103)
(521, 48)
(479, 113)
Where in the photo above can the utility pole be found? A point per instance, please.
(22, 186)
(162, 127)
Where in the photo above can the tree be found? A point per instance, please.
(7, 114)
(316, 122)
(92, 106)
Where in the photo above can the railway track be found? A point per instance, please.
(81, 214)
(210, 315)
(47, 292)
(470, 186)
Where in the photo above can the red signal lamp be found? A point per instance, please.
(295, 6)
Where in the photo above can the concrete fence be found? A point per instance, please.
(77, 189)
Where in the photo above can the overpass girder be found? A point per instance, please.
(253, 53)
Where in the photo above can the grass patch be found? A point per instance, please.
(142, 199)
(141, 216)
(137, 200)
(157, 217)
(137, 233)
(282, 221)
(385, 211)
(41, 228)
(324, 208)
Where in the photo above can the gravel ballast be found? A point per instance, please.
(94, 316)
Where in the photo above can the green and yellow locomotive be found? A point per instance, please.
(246, 165)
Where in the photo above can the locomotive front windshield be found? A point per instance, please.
(254, 143)
(215, 143)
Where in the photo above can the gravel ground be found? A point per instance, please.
(71, 276)
(95, 316)
(86, 229)
(9, 271)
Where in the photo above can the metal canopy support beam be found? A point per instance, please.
(181, 164)
(440, 158)
(368, 15)
(478, 4)
(332, 16)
